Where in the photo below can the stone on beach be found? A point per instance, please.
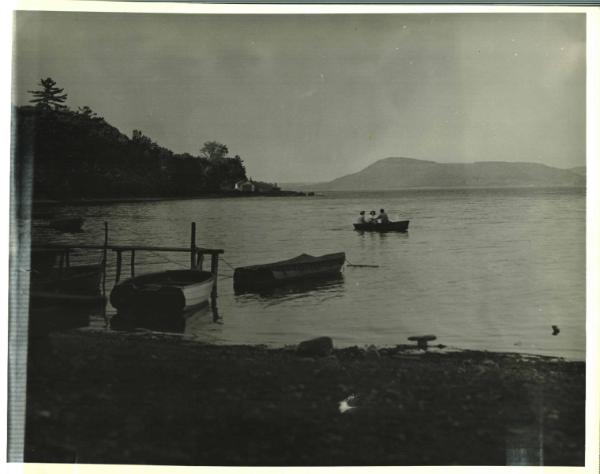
(319, 347)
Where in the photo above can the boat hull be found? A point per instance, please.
(170, 293)
(62, 298)
(67, 225)
(52, 284)
(277, 273)
(82, 280)
(398, 226)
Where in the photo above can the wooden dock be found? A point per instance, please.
(196, 253)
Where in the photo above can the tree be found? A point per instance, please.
(87, 112)
(214, 150)
(50, 97)
(139, 138)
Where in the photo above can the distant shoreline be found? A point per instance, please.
(307, 192)
(433, 188)
(115, 200)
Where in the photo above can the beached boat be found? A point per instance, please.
(67, 225)
(398, 226)
(171, 292)
(303, 266)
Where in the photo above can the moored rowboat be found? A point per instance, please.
(72, 224)
(171, 292)
(52, 278)
(62, 296)
(397, 226)
(303, 266)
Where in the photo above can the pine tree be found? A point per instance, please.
(50, 97)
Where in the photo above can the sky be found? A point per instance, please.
(305, 98)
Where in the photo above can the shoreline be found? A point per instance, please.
(158, 335)
(301, 192)
(116, 200)
(161, 399)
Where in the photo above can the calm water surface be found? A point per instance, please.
(480, 269)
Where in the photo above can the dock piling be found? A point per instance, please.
(214, 269)
(104, 258)
(119, 263)
(132, 263)
(193, 247)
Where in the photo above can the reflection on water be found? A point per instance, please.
(180, 322)
(48, 315)
(382, 235)
(293, 289)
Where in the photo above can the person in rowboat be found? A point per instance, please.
(383, 217)
(372, 219)
(361, 218)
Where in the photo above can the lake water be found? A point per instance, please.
(480, 269)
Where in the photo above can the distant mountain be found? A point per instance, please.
(399, 173)
(580, 170)
(296, 185)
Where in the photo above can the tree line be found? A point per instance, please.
(77, 154)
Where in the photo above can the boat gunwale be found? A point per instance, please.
(294, 262)
(179, 284)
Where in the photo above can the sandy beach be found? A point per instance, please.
(144, 398)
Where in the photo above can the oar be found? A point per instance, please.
(348, 264)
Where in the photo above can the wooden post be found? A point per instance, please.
(200, 261)
(214, 269)
(104, 258)
(132, 263)
(119, 262)
(213, 307)
(193, 247)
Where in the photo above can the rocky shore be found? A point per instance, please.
(141, 398)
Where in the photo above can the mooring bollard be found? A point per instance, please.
(422, 340)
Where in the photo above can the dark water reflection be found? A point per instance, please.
(49, 316)
(169, 322)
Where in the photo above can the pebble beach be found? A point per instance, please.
(148, 398)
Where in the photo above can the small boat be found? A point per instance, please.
(169, 293)
(62, 296)
(53, 279)
(272, 274)
(67, 225)
(398, 226)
